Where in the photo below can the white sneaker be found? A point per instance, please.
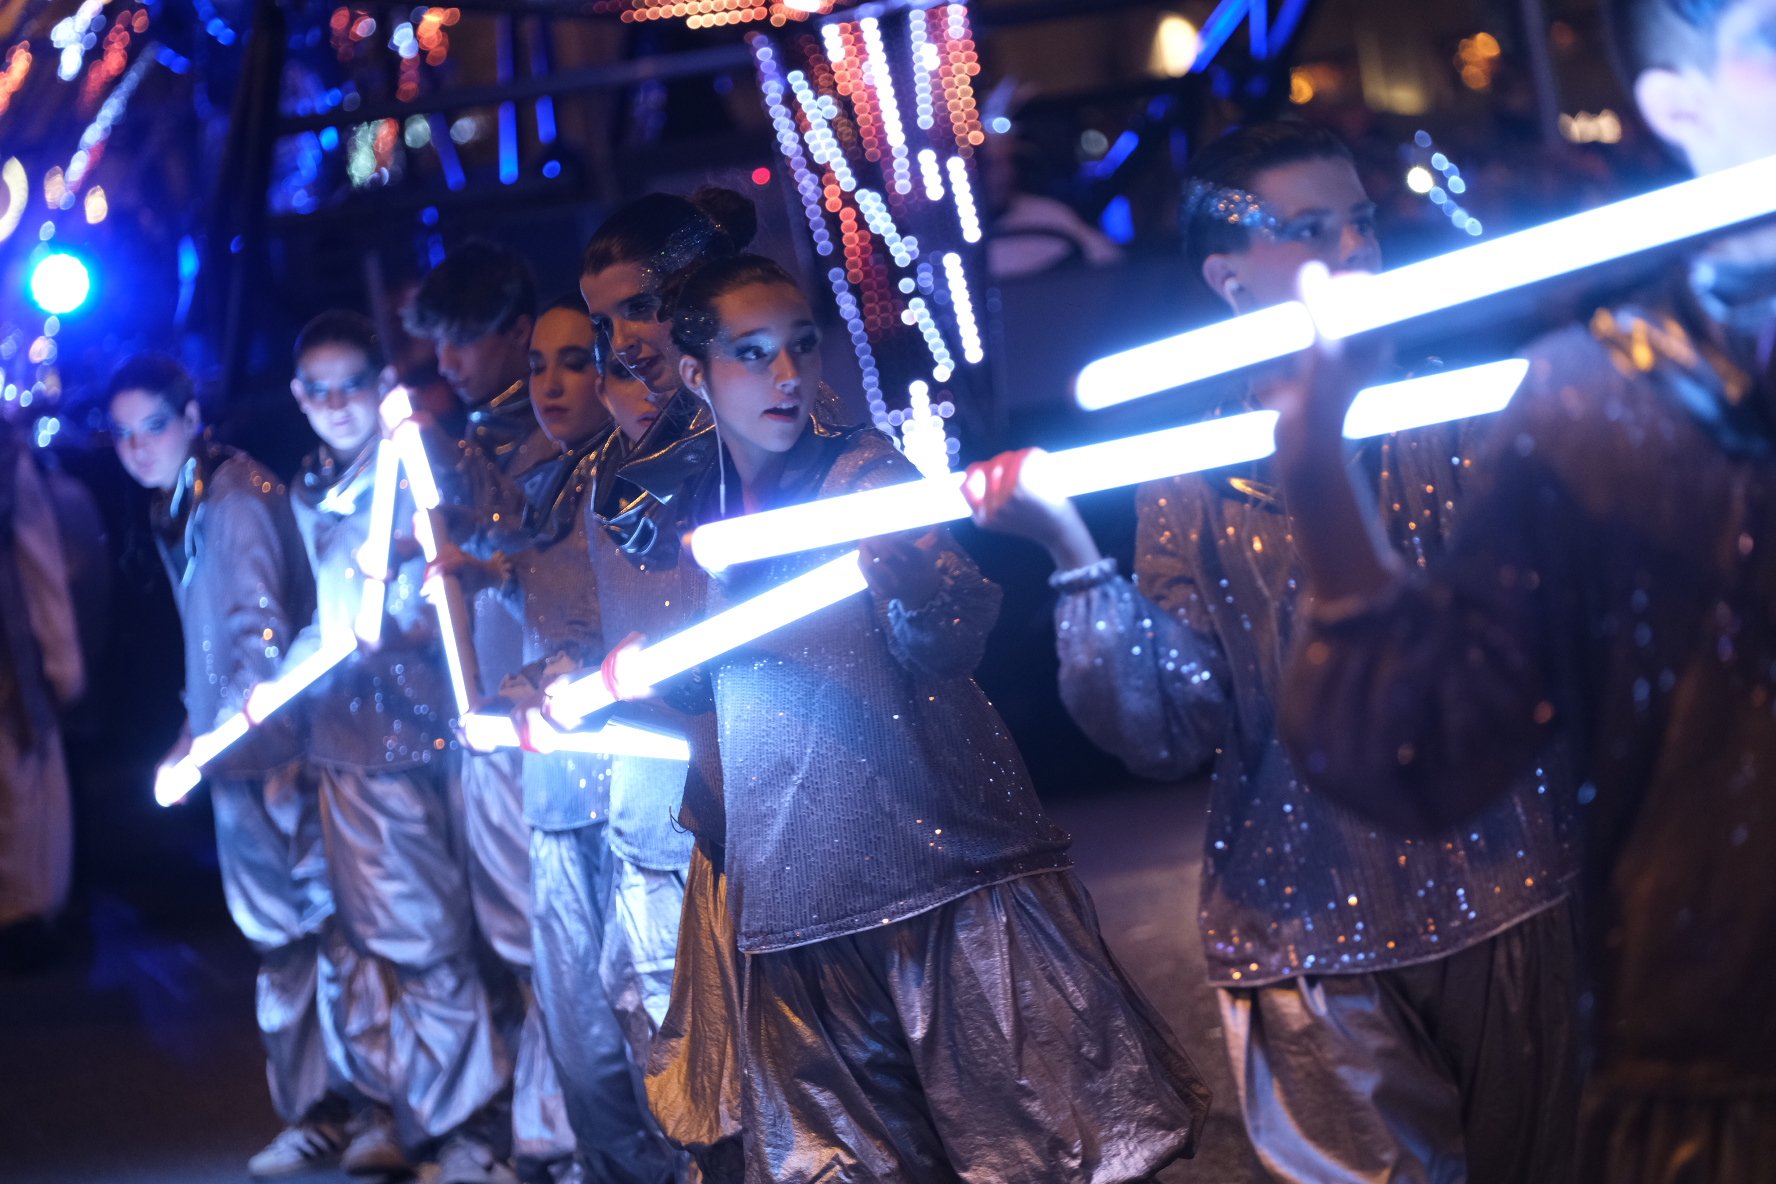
(465, 1159)
(305, 1147)
(374, 1150)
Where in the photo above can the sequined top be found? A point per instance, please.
(241, 584)
(1183, 666)
(1613, 585)
(867, 778)
(376, 712)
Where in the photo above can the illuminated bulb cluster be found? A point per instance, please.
(115, 58)
(965, 210)
(925, 60)
(12, 76)
(882, 78)
(707, 14)
(1442, 182)
(823, 146)
(922, 436)
(74, 35)
(93, 139)
(918, 315)
(958, 64)
(886, 191)
(934, 188)
(963, 307)
(881, 224)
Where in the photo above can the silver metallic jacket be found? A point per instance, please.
(1183, 666)
(241, 583)
(387, 710)
(866, 776)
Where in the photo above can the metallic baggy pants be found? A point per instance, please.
(274, 877)
(1463, 1070)
(991, 1040)
(413, 1013)
(600, 927)
(498, 843)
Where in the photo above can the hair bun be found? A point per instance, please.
(733, 213)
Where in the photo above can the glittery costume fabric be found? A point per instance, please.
(1183, 666)
(415, 1016)
(924, 994)
(603, 928)
(866, 776)
(1610, 586)
(503, 452)
(241, 585)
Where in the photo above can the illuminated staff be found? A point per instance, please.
(1171, 452)
(485, 732)
(173, 782)
(1346, 305)
(374, 556)
(446, 594)
(571, 701)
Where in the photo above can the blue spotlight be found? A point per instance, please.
(60, 283)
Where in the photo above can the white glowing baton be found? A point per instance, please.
(485, 732)
(173, 782)
(747, 621)
(375, 554)
(451, 605)
(1171, 452)
(1350, 304)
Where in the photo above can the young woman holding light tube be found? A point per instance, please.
(920, 970)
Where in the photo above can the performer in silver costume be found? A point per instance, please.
(920, 968)
(585, 978)
(478, 308)
(1391, 1006)
(240, 581)
(663, 446)
(424, 1038)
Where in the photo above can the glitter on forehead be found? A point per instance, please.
(1236, 207)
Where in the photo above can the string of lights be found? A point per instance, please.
(888, 194)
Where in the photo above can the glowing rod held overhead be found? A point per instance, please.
(173, 782)
(831, 582)
(1349, 304)
(485, 732)
(1193, 448)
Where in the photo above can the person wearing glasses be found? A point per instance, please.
(409, 990)
(221, 522)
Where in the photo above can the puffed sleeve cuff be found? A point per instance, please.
(947, 636)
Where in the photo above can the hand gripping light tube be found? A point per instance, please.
(747, 621)
(485, 732)
(1094, 468)
(173, 782)
(1350, 304)
(448, 599)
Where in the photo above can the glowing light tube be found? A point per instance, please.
(1093, 468)
(484, 733)
(374, 556)
(447, 597)
(1344, 305)
(749, 620)
(173, 782)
